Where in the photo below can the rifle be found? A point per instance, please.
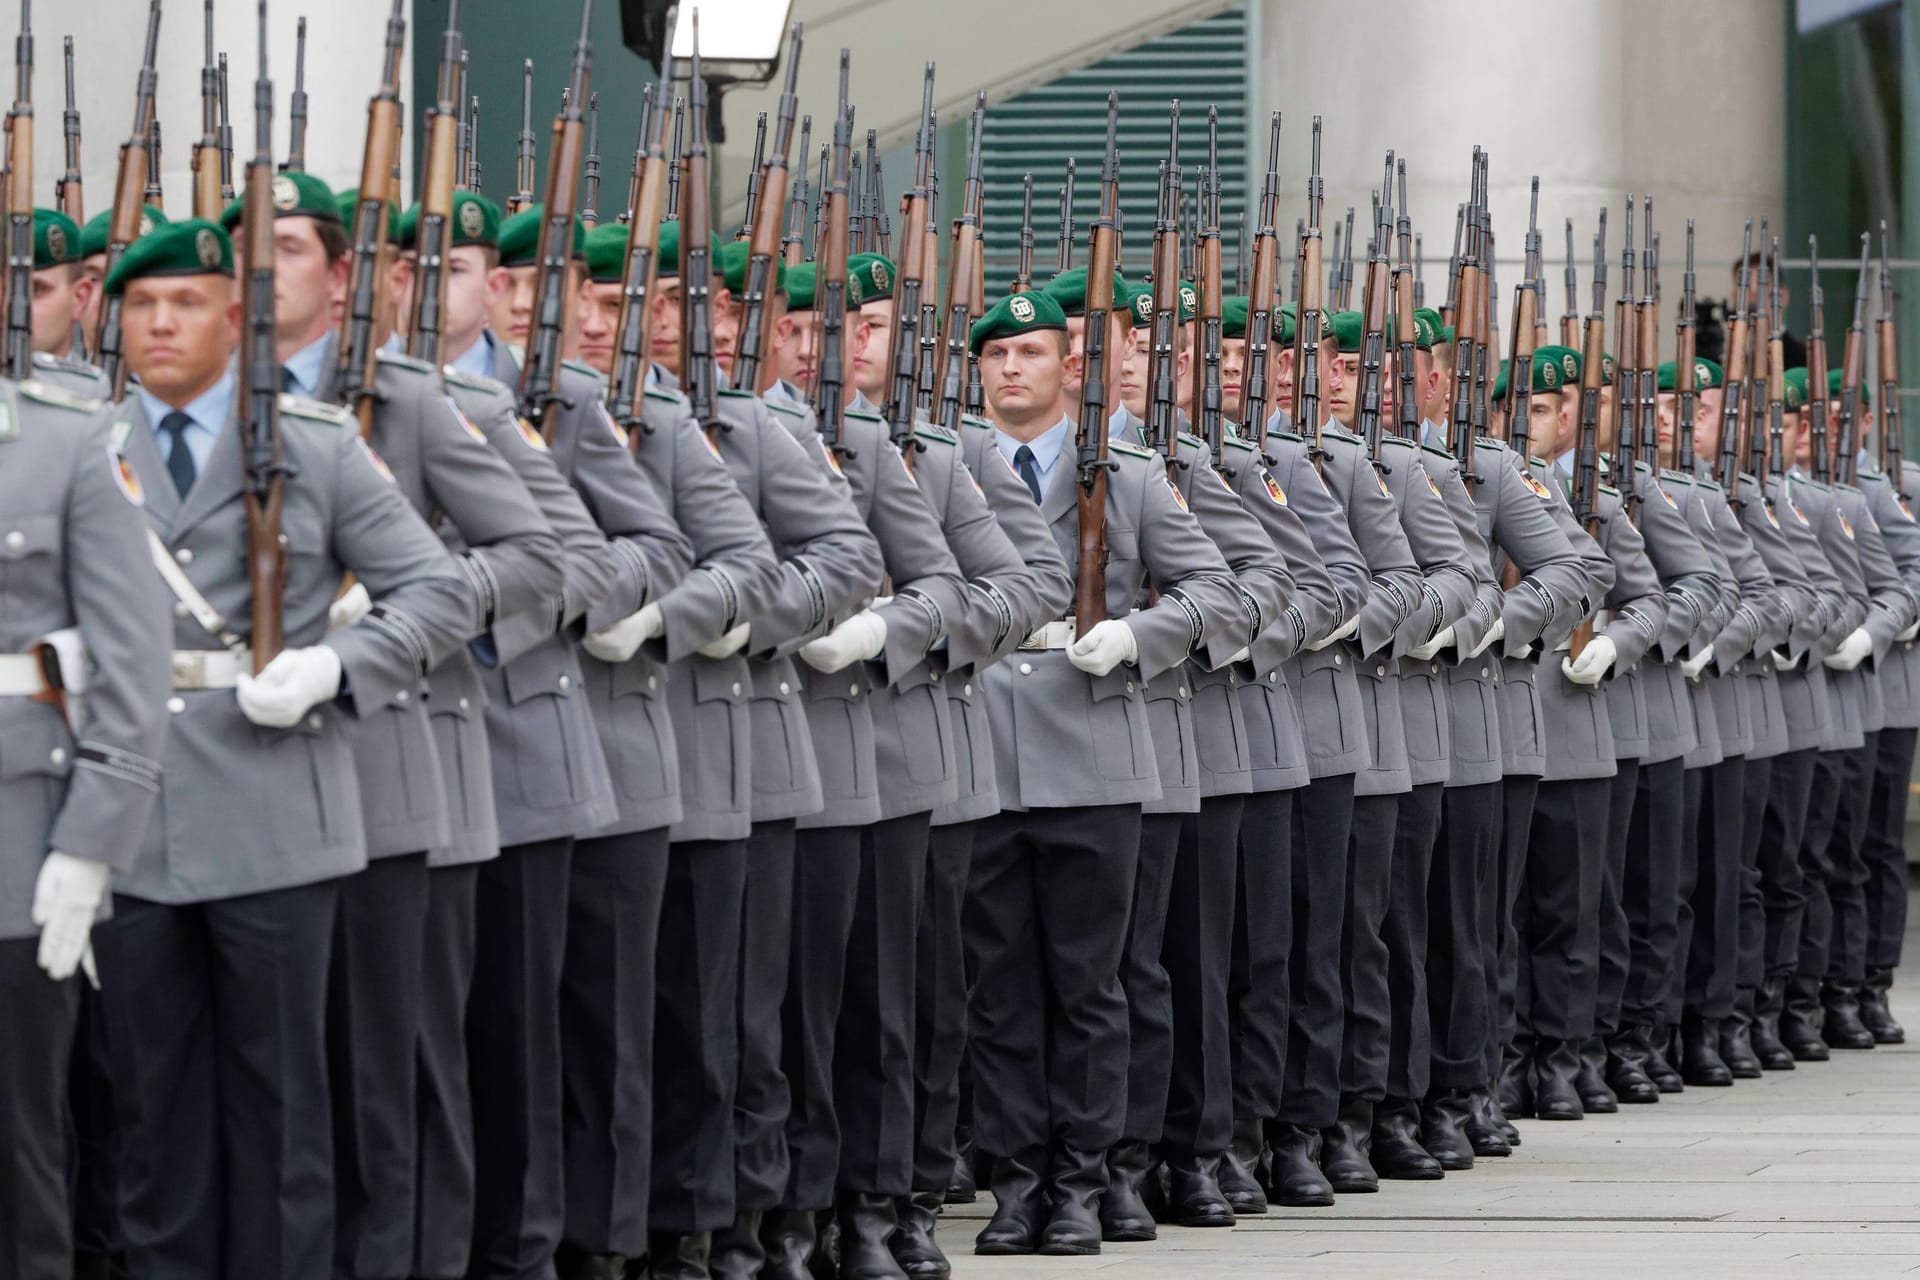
(1585, 495)
(1646, 344)
(1211, 420)
(523, 153)
(1736, 372)
(1333, 269)
(1852, 361)
(924, 395)
(793, 244)
(676, 148)
(226, 140)
(1625, 441)
(856, 211)
(911, 283)
(155, 196)
(1685, 386)
(433, 238)
(1484, 337)
(1090, 587)
(820, 200)
(1266, 250)
(259, 403)
(463, 167)
(540, 377)
(1570, 318)
(1346, 266)
(358, 369)
(19, 351)
(124, 225)
(1465, 322)
(1760, 312)
(296, 161)
(870, 203)
(753, 177)
(1450, 309)
(1816, 406)
(960, 273)
(976, 396)
(1066, 221)
(696, 260)
(66, 192)
(1406, 393)
(1306, 351)
(630, 342)
(766, 205)
(1525, 339)
(1023, 273)
(589, 211)
(830, 290)
(1776, 370)
(1373, 331)
(1163, 357)
(1240, 253)
(1891, 443)
(473, 148)
(883, 221)
(206, 152)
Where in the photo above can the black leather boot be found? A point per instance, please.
(1124, 1216)
(1483, 1125)
(571, 1264)
(1700, 1060)
(1764, 1031)
(1556, 1067)
(1443, 1120)
(1801, 1021)
(1736, 1040)
(1497, 1113)
(1296, 1178)
(735, 1252)
(1396, 1150)
(1194, 1198)
(913, 1243)
(1343, 1148)
(787, 1241)
(1659, 1063)
(1077, 1185)
(1020, 1204)
(1516, 1080)
(1627, 1053)
(672, 1257)
(963, 1188)
(1591, 1078)
(1841, 1028)
(1875, 1013)
(1239, 1171)
(866, 1222)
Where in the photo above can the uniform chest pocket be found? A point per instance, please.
(31, 561)
(1123, 549)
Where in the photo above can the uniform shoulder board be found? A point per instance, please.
(863, 415)
(1678, 477)
(1189, 437)
(736, 392)
(1609, 489)
(1536, 460)
(1131, 450)
(934, 431)
(1398, 442)
(580, 367)
(968, 420)
(301, 407)
(1235, 442)
(662, 394)
(1340, 433)
(471, 381)
(47, 360)
(402, 360)
(1438, 452)
(1877, 476)
(781, 406)
(1294, 436)
(59, 397)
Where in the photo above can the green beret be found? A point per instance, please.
(1347, 330)
(1069, 289)
(1015, 314)
(1426, 325)
(399, 233)
(803, 284)
(667, 255)
(1834, 378)
(1796, 389)
(875, 273)
(295, 195)
(56, 239)
(194, 247)
(93, 236)
(1284, 325)
(1607, 367)
(1140, 303)
(1706, 375)
(520, 237)
(1233, 317)
(1445, 335)
(1499, 391)
(1554, 369)
(476, 220)
(731, 260)
(607, 253)
(1188, 305)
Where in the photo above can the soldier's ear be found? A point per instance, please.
(499, 280)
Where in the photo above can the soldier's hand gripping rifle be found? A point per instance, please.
(1090, 588)
(1212, 419)
(763, 231)
(1406, 397)
(1526, 310)
(910, 284)
(1685, 384)
(1373, 331)
(433, 238)
(1163, 355)
(66, 192)
(260, 383)
(830, 298)
(296, 161)
(523, 146)
(19, 350)
(1307, 418)
(1585, 497)
(124, 226)
(1815, 410)
(626, 389)
(1728, 468)
(1891, 441)
(1852, 361)
(1466, 321)
(206, 152)
(359, 339)
(1260, 291)
(960, 272)
(540, 377)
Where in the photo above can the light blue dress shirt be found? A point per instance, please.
(305, 366)
(209, 413)
(1047, 448)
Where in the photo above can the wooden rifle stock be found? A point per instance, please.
(124, 224)
(358, 340)
(1892, 444)
(1586, 456)
(1090, 587)
(1256, 379)
(1852, 360)
(1816, 407)
(1211, 423)
(763, 231)
(541, 375)
(433, 238)
(627, 388)
(19, 350)
(260, 384)
(1685, 383)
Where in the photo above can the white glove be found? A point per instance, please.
(1692, 667)
(66, 897)
(1783, 662)
(1852, 651)
(349, 607)
(727, 643)
(1340, 632)
(292, 684)
(860, 637)
(1913, 629)
(1494, 633)
(1433, 646)
(1109, 644)
(623, 639)
(1592, 664)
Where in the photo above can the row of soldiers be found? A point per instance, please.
(662, 800)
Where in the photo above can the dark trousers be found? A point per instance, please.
(1143, 978)
(1519, 794)
(1660, 874)
(1615, 934)
(762, 1102)
(96, 1189)
(939, 1006)
(1709, 960)
(1461, 962)
(873, 1046)
(1558, 913)
(1368, 1025)
(1198, 953)
(1259, 995)
(1405, 933)
(216, 1021)
(36, 1235)
(513, 1059)
(826, 887)
(696, 1049)
(1817, 846)
(1322, 821)
(1783, 888)
(1756, 787)
(606, 1038)
(1847, 866)
(444, 1187)
(1885, 850)
(373, 1026)
(1046, 922)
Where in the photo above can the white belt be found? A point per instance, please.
(21, 676)
(209, 668)
(1050, 635)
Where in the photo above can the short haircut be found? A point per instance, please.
(333, 238)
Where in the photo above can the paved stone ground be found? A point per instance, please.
(1813, 1172)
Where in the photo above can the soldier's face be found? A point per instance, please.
(1543, 423)
(512, 316)
(796, 342)
(726, 329)
(1024, 378)
(1431, 384)
(178, 333)
(1796, 438)
(1282, 361)
(306, 282)
(599, 320)
(870, 365)
(94, 268)
(1123, 341)
(1340, 389)
(473, 286)
(1233, 373)
(1603, 431)
(663, 324)
(1567, 426)
(1666, 414)
(1706, 423)
(59, 295)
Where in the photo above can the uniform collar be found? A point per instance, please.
(306, 365)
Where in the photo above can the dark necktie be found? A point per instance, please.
(179, 457)
(1023, 462)
(288, 383)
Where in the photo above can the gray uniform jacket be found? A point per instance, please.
(245, 809)
(1899, 667)
(1846, 690)
(1063, 738)
(1719, 706)
(1890, 605)
(1792, 554)
(73, 553)
(1693, 585)
(68, 374)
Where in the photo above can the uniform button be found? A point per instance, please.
(1129, 686)
(566, 682)
(1026, 668)
(1436, 668)
(969, 691)
(180, 609)
(314, 721)
(736, 688)
(1380, 671)
(16, 540)
(463, 704)
(784, 688)
(1336, 659)
(1183, 691)
(401, 697)
(1273, 677)
(59, 755)
(1483, 673)
(653, 682)
(853, 691)
(184, 555)
(176, 705)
